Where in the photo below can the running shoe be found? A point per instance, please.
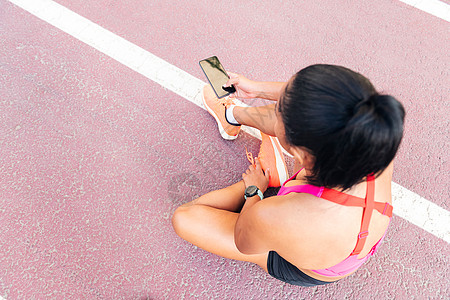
(217, 107)
(271, 157)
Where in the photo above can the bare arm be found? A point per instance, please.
(271, 90)
(250, 228)
(248, 89)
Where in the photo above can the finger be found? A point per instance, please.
(257, 164)
(231, 81)
(267, 174)
(232, 75)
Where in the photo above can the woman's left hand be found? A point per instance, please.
(255, 176)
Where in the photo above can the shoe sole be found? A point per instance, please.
(222, 132)
(279, 161)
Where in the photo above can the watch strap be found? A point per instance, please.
(258, 192)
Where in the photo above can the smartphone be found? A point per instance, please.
(217, 76)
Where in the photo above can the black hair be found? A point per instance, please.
(339, 117)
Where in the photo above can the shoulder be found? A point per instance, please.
(277, 211)
(265, 225)
(302, 228)
(278, 219)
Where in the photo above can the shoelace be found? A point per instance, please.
(226, 101)
(250, 157)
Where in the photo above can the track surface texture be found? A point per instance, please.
(95, 157)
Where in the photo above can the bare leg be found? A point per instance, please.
(230, 198)
(208, 222)
(260, 117)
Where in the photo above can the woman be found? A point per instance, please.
(330, 217)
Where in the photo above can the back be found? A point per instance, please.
(317, 233)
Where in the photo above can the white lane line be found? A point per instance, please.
(421, 212)
(408, 205)
(132, 56)
(434, 7)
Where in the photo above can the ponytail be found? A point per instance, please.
(337, 114)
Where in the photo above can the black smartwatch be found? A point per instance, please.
(251, 191)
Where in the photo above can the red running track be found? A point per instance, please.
(95, 157)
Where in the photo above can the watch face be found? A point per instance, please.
(251, 190)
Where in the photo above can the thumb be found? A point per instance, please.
(267, 174)
(232, 81)
(232, 75)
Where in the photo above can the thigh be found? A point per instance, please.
(212, 229)
(230, 198)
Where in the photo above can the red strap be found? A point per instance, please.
(367, 215)
(368, 204)
(384, 208)
(342, 198)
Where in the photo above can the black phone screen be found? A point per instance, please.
(217, 76)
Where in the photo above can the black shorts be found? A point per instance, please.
(283, 270)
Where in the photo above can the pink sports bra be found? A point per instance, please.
(351, 263)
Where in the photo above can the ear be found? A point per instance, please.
(305, 158)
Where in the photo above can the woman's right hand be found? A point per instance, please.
(245, 88)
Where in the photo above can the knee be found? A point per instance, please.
(180, 219)
(185, 219)
(177, 219)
